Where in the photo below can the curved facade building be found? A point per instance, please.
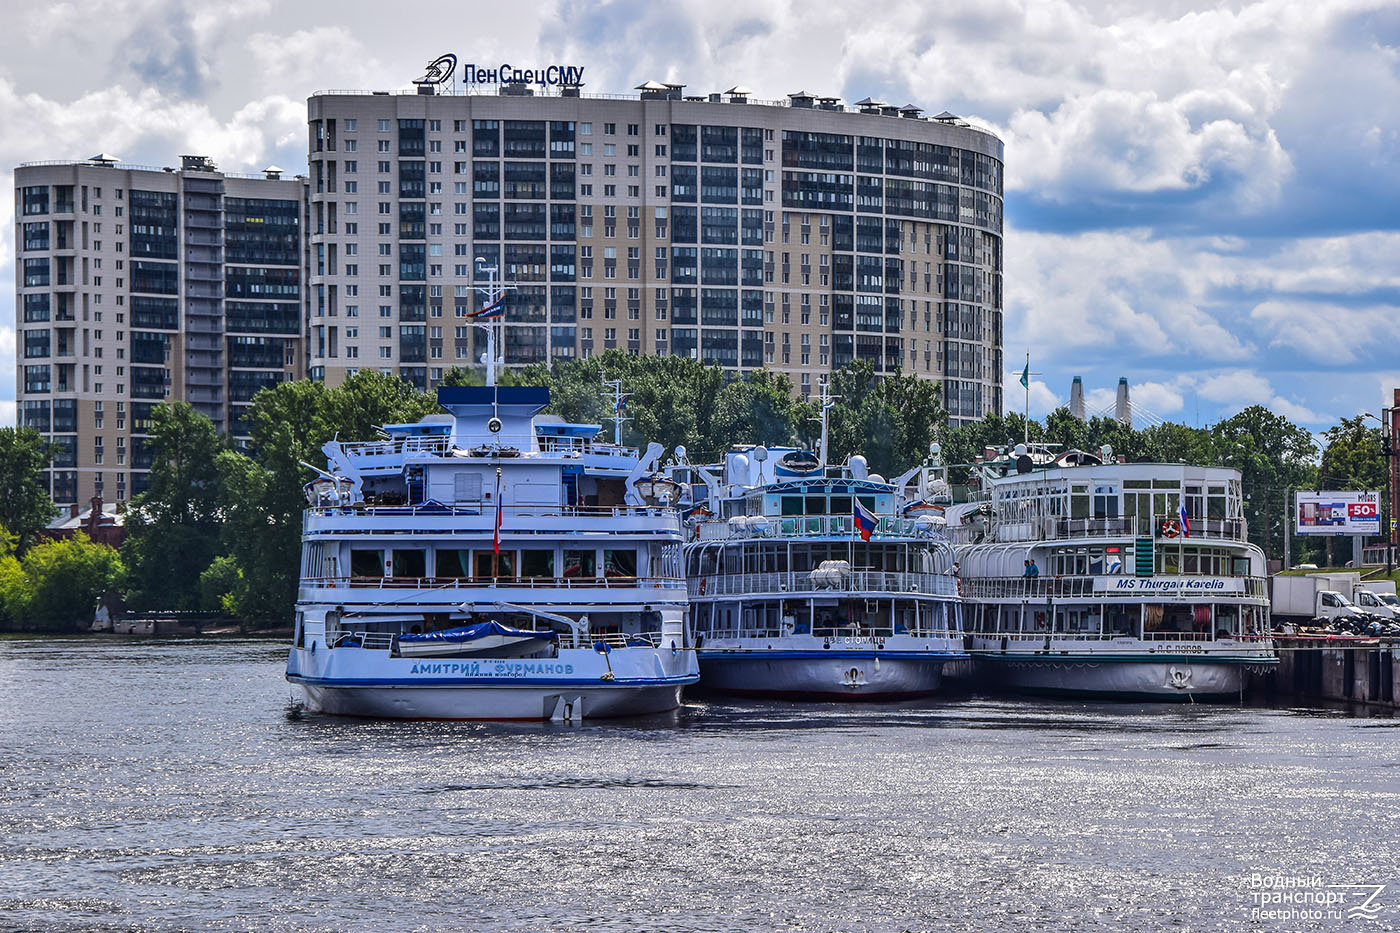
(797, 235)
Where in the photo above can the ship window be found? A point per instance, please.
(412, 563)
(1079, 506)
(840, 505)
(620, 563)
(366, 563)
(580, 563)
(503, 564)
(537, 563)
(792, 505)
(816, 505)
(453, 562)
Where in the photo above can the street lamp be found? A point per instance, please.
(1388, 452)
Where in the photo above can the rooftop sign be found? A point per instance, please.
(443, 70)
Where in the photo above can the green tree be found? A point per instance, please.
(757, 408)
(1354, 457)
(14, 590)
(890, 420)
(262, 537)
(219, 586)
(25, 506)
(1274, 456)
(64, 578)
(1174, 443)
(262, 499)
(173, 527)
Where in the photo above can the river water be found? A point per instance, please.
(168, 786)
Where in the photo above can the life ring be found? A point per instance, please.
(1171, 528)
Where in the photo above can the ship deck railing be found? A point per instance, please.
(1040, 635)
(1139, 526)
(442, 446)
(436, 444)
(385, 641)
(811, 526)
(856, 581)
(1082, 587)
(473, 583)
(833, 631)
(427, 510)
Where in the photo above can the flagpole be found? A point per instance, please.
(1026, 375)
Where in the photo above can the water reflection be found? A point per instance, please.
(163, 786)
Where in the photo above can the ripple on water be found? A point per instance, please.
(170, 786)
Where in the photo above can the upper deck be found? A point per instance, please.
(1109, 500)
(490, 465)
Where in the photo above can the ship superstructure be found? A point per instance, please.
(1085, 575)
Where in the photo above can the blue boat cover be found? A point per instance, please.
(473, 632)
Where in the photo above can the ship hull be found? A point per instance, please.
(523, 703)
(578, 684)
(1170, 680)
(829, 675)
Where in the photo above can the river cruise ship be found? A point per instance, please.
(491, 563)
(1088, 576)
(816, 582)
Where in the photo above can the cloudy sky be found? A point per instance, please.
(1204, 198)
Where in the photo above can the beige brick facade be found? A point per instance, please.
(748, 234)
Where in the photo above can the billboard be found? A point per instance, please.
(1337, 513)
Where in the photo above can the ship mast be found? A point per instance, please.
(828, 402)
(493, 293)
(619, 400)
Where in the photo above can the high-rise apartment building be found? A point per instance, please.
(137, 286)
(798, 235)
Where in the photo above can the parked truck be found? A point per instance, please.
(1332, 599)
(1316, 599)
(1378, 596)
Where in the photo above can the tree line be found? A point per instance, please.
(218, 527)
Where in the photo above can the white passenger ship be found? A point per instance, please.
(815, 582)
(490, 564)
(1087, 576)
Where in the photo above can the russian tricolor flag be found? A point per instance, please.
(865, 519)
(494, 309)
(1185, 522)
